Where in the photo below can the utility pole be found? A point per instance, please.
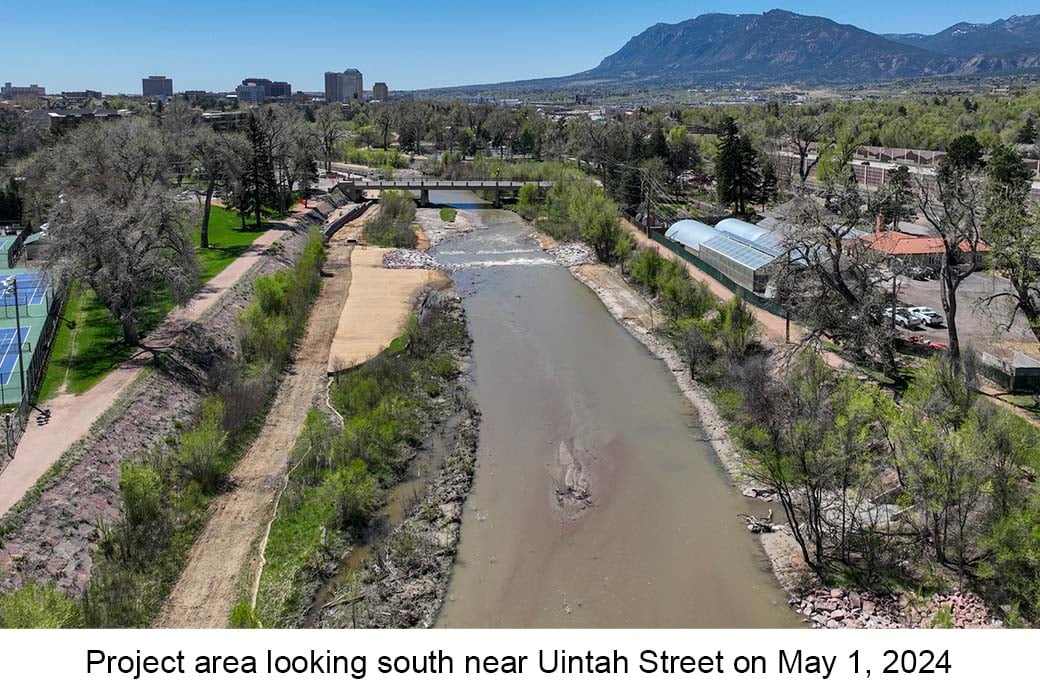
(11, 287)
(647, 192)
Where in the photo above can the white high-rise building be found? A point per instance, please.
(345, 86)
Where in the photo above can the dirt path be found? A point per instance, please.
(71, 415)
(206, 591)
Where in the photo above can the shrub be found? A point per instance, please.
(1014, 562)
(448, 214)
(38, 606)
(357, 497)
(646, 265)
(392, 226)
(142, 492)
(202, 452)
(737, 328)
(263, 337)
(374, 158)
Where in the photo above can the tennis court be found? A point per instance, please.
(11, 343)
(32, 290)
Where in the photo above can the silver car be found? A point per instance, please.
(903, 318)
(927, 314)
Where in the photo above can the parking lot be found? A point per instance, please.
(979, 325)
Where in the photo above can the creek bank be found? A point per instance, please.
(404, 579)
(822, 607)
(842, 608)
(396, 573)
(400, 580)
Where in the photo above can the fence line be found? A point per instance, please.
(15, 422)
(748, 296)
(15, 249)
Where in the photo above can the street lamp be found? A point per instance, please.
(10, 287)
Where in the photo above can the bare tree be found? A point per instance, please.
(953, 204)
(216, 157)
(810, 135)
(125, 252)
(835, 285)
(328, 121)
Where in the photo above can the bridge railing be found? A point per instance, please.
(453, 183)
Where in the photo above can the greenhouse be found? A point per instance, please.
(744, 262)
(741, 229)
(691, 234)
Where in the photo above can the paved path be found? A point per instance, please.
(72, 415)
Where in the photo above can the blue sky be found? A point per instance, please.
(72, 44)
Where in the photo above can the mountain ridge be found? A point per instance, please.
(784, 47)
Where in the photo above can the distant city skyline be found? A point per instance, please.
(200, 46)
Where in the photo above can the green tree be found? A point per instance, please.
(1027, 134)
(738, 180)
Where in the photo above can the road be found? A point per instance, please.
(978, 324)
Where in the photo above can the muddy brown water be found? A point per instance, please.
(596, 502)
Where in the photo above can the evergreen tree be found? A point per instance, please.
(10, 201)
(895, 201)
(657, 145)
(738, 179)
(259, 186)
(1027, 134)
(770, 186)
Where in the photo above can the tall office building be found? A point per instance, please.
(344, 86)
(260, 90)
(380, 92)
(157, 86)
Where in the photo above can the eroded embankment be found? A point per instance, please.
(331, 560)
(50, 536)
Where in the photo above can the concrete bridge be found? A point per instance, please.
(355, 188)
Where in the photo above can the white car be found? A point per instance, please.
(927, 314)
(903, 318)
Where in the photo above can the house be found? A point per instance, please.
(919, 250)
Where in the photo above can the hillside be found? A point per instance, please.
(781, 47)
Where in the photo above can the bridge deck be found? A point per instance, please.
(441, 184)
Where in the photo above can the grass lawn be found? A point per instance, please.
(89, 343)
(226, 241)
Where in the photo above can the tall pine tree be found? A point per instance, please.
(738, 178)
(260, 188)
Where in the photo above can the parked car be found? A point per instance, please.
(921, 272)
(927, 314)
(903, 318)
